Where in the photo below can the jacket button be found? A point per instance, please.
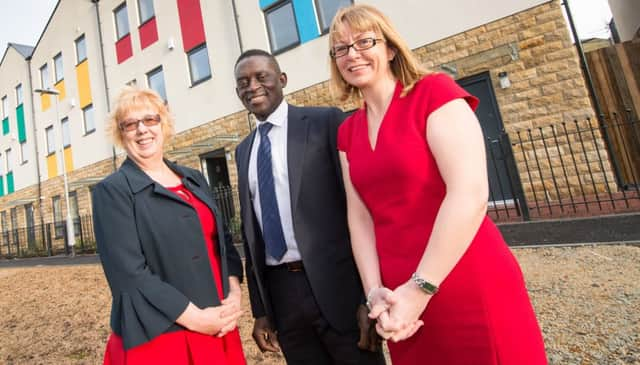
(196, 257)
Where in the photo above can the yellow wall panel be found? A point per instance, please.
(61, 89)
(52, 166)
(68, 159)
(84, 85)
(45, 101)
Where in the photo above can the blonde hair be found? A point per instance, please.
(362, 18)
(134, 98)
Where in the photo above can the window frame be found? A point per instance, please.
(153, 72)
(55, 68)
(83, 41)
(8, 157)
(44, 68)
(195, 50)
(119, 8)
(19, 95)
(272, 9)
(84, 119)
(50, 151)
(320, 19)
(64, 124)
(23, 152)
(5, 106)
(153, 12)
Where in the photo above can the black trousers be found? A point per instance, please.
(305, 336)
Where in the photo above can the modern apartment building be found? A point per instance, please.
(516, 55)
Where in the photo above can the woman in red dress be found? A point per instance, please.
(173, 271)
(439, 277)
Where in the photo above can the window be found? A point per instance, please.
(45, 82)
(87, 117)
(58, 69)
(8, 155)
(58, 222)
(13, 213)
(327, 9)
(19, 99)
(73, 204)
(145, 9)
(122, 22)
(5, 227)
(24, 152)
(5, 106)
(281, 23)
(81, 49)
(1, 165)
(51, 140)
(199, 64)
(155, 79)
(66, 134)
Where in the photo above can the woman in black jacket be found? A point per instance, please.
(171, 266)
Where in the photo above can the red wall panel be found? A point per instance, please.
(124, 49)
(191, 23)
(148, 33)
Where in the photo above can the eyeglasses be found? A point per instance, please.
(131, 124)
(359, 45)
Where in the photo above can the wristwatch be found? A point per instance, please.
(426, 286)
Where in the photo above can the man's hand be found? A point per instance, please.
(264, 335)
(369, 338)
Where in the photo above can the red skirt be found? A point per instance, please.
(179, 348)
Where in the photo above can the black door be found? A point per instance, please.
(214, 165)
(31, 233)
(501, 190)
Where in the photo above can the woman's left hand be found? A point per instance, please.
(410, 302)
(234, 302)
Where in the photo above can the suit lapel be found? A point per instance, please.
(298, 127)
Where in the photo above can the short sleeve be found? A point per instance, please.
(344, 133)
(442, 89)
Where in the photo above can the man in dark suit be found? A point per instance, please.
(303, 283)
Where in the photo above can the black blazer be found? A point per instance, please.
(153, 252)
(318, 206)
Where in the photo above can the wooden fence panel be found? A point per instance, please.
(616, 76)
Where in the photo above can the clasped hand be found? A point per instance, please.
(398, 311)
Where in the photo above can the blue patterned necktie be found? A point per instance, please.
(271, 223)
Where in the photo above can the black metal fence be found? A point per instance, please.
(571, 169)
(48, 239)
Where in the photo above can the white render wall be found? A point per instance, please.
(70, 21)
(14, 71)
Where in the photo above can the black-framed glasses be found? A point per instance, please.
(131, 124)
(359, 45)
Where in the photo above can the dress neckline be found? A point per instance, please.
(373, 147)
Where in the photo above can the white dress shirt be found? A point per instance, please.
(278, 138)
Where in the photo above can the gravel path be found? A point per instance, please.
(587, 300)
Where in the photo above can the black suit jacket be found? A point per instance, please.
(153, 252)
(318, 206)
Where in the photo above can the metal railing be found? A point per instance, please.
(51, 238)
(48, 239)
(565, 170)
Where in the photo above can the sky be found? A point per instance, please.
(22, 21)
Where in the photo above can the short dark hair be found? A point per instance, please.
(258, 52)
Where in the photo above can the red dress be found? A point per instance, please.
(184, 347)
(482, 313)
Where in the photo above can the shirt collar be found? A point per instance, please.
(278, 117)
